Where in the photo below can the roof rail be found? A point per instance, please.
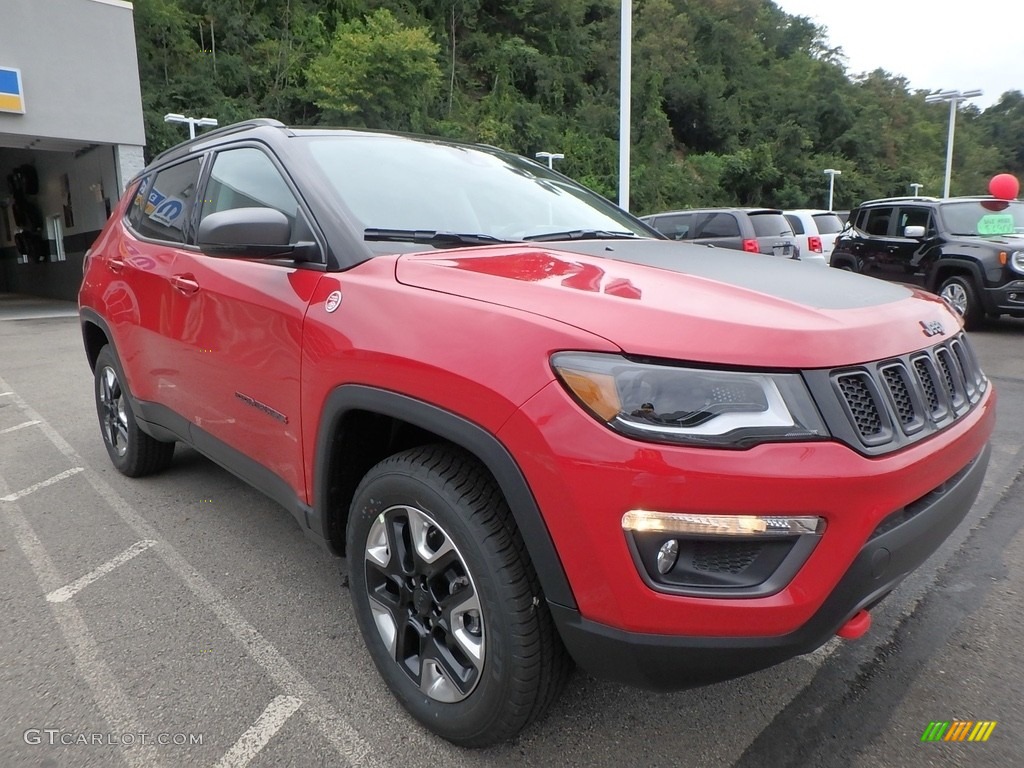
(919, 198)
(256, 122)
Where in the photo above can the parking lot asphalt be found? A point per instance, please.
(184, 619)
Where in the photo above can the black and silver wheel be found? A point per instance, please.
(446, 599)
(132, 451)
(960, 293)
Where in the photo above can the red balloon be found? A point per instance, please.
(1004, 186)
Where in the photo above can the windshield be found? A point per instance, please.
(984, 218)
(419, 185)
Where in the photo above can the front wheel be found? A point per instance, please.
(960, 292)
(132, 451)
(447, 601)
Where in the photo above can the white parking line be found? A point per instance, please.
(33, 488)
(66, 593)
(16, 427)
(114, 705)
(333, 726)
(262, 731)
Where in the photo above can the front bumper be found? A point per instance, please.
(900, 543)
(1006, 299)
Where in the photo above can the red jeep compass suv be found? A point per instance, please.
(539, 432)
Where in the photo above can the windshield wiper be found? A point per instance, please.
(436, 238)
(582, 234)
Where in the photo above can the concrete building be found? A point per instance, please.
(71, 135)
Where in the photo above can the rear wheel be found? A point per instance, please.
(132, 451)
(447, 600)
(960, 292)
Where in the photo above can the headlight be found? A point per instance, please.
(692, 406)
(1017, 261)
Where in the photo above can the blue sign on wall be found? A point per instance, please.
(12, 97)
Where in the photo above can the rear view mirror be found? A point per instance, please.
(915, 232)
(248, 233)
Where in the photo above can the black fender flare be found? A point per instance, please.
(459, 431)
(955, 264)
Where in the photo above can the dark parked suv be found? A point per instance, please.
(755, 230)
(968, 249)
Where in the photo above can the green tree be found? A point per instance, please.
(377, 73)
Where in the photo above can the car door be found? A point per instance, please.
(904, 254)
(675, 226)
(874, 227)
(141, 300)
(241, 328)
(719, 228)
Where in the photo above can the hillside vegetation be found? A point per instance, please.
(734, 101)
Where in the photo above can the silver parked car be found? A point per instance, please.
(755, 230)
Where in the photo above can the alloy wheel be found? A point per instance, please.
(424, 603)
(112, 411)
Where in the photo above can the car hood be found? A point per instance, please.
(672, 300)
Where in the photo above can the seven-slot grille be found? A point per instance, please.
(893, 402)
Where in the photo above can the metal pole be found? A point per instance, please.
(831, 188)
(625, 99)
(949, 145)
(191, 128)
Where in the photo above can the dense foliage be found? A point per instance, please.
(734, 101)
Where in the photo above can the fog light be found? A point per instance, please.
(722, 525)
(667, 556)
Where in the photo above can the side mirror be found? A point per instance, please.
(250, 233)
(915, 232)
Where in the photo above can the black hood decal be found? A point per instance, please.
(809, 284)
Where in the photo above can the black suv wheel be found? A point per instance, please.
(960, 292)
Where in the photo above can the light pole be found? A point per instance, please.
(954, 98)
(831, 173)
(550, 157)
(625, 98)
(192, 122)
(915, 188)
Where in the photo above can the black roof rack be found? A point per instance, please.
(256, 122)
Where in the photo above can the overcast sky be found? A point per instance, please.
(935, 44)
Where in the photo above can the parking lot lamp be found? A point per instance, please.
(954, 98)
(550, 157)
(831, 173)
(915, 188)
(192, 122)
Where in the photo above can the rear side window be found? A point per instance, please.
(795, 223)
(828, 223)
(876, 221)
(162, 209)
(770, 225)
(675, 227)
(718, 224)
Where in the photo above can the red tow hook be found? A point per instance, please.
(856, 627)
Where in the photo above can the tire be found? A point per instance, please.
(447, 601)
(132, 451)
(960, 293)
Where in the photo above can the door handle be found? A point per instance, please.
(186, 284)
(115, 265)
